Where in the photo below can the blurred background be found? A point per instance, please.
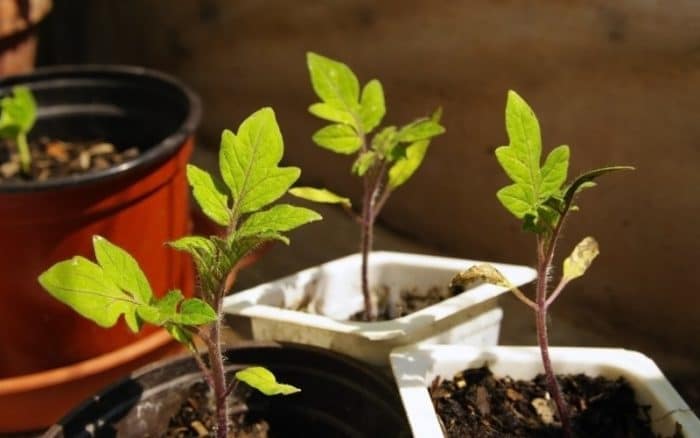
(618, 81)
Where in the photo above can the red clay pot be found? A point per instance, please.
(137, 205)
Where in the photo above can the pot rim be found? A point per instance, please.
(167, 147)
(387, 386)
(86, 368)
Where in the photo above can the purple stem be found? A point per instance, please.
(546, 253)
(366, 247)
(219, 377)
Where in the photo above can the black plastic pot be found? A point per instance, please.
(126, 105)
(340, 397)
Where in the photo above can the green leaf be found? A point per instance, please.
(18, 112)
(282, 217)
(147, 313)
(264, 381)
(211, 200)
(516, 200)
(525, 148)
(194, 311)
(580, 259)
(167, 305)
(320, 195)
(331, 113)
(122, 269)
(535, 188)
(364, 162)
(198, 246)
(201, 249)
(384, 141)
(407, 164)
(164, 310)
(420, 130)
(338, 138)
(586, 180)
(84, 286)
(333, 82)
(372, 106)
(179, 333)
(554, 171)
(249, 162)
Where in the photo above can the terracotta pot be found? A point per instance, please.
(137, 205)
(18, 36)
(340, 397)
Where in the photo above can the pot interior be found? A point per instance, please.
(126, 106)
(339, 398)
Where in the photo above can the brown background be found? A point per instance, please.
(618, 81)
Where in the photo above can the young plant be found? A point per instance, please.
(541, 199)
(116, 286)
(384, 163)
(16, 120)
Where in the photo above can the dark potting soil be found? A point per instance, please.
(408, 301)
(55, 158)
(196, 418)
(475, 404)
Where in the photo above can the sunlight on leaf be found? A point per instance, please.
(264, 381)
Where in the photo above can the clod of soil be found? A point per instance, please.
(55, 158)
(475, 404)
(195, 418)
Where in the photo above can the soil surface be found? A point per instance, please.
(407, 302)
(475, 404)
(55, 158)
(195, 418)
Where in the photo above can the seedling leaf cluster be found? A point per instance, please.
(540, 197)
(115, 286)
(384, 161)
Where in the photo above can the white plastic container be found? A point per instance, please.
(472, 317)
(415, 368)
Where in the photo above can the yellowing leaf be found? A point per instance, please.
(320, 195)
(580, 259)
(264, 381)
(478, 274)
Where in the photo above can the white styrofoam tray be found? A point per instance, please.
(472, 317)
(415, 368)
